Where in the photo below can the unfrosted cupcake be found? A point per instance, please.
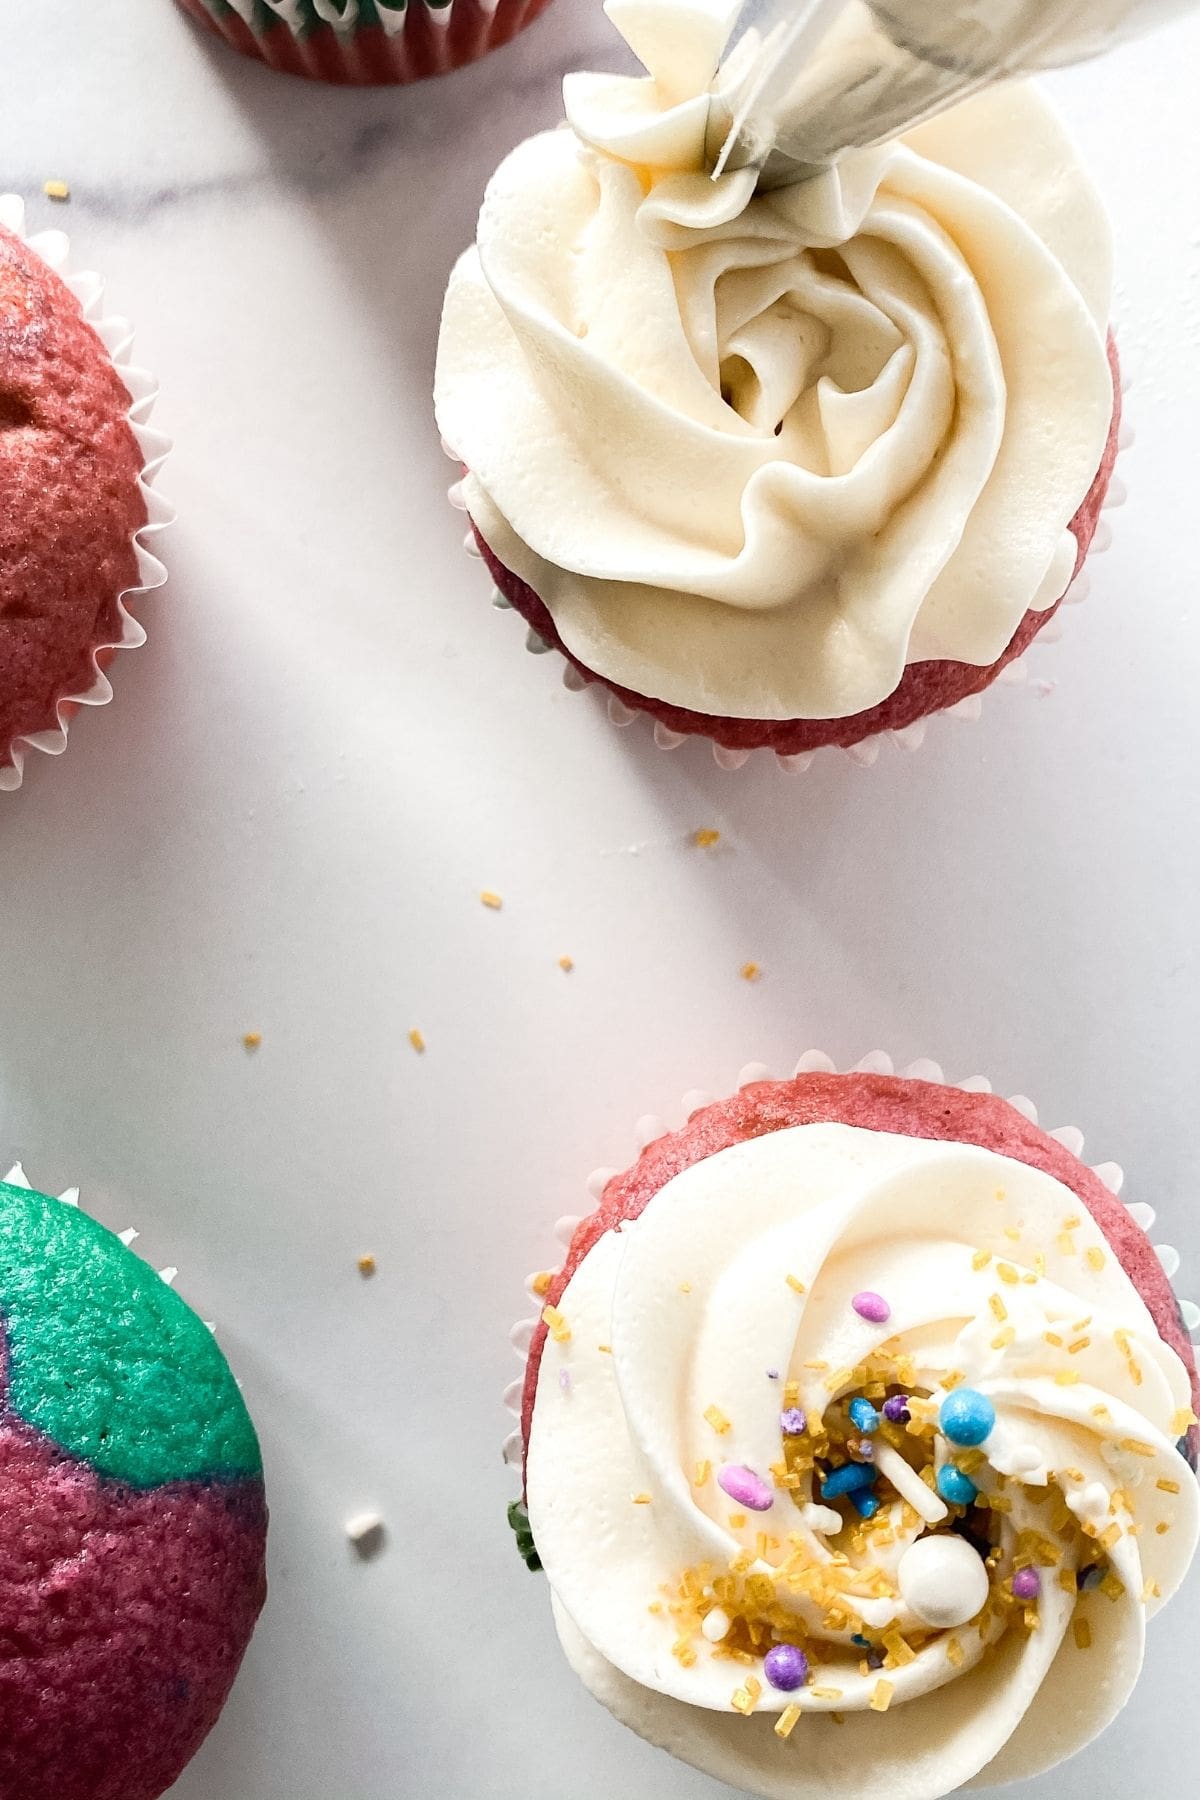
(75, 458)
(859, 1439)
(787, 469)
(132, 1517)
(366, 41)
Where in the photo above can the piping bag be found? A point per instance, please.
(803, 81)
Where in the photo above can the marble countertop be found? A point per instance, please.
(332, 743)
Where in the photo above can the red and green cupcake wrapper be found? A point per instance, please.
(927, 688)
(919, 1103)
(366, 43)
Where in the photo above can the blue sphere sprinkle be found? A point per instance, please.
(867, 1505)
(863, 1415)
(863, 1643)
(967, 1417)
(955, 1488)
(847, 1480)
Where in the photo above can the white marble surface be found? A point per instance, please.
(332, 743)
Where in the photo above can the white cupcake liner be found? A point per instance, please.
(1017, 673)
(876, 1062)
(116, 335)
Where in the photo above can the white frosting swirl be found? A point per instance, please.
(756, 453)
(694, 1302)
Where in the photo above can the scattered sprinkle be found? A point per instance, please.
(1067, 1377)
(737, 1521)
(1151, 1591)
(1027, 1584)
(825, 1693)
(1066, 1243)
(793, 1421)
(1162, 1528)
(604, 1349)
(251, 1040)
(556, 1324)
(417, 1041)
(56, 190)
(1007, 1273)
(787, 1721)
(750, 971)
(1094, 1258)
(542, 1282)
(998, 1309)
(717, 1420)
(747, 1697)
(705, 837)
(1126, 1348)
(746, 1487)
(566, 964)
(1004, 1338)
(786, 1668)
(489, 898)
(1083, 1634)
(685, 1287)
(1182, 1421)
(881, 1696)
(365, 1532)
(981, 1259)
(1167, 1487)
(1136, 1447)
(797, 1287)
(641, 1499)
(367, 1265)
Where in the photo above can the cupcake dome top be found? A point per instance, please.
(132, 1516)
(70, 465)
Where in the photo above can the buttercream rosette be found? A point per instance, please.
(870, 1378)
(784, 468)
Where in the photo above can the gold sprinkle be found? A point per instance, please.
(787, 1721)
(1111, 1536)
(703, 1471)
(717, 1420)
(1126, 1349)
(1066, 1243)
(1053, 1338)
(1006, 1272)
(981, 1259)
(56, 190)
(737, 1521)
(1004, 1338)
(685, 1287)
(1001, 1194)
(491, 899)
(1136, 1447)
(750, 971)
(956, 1656)
(1182, 1421)
(556, 1324)
(1151, 1591)
(655, 1607)
(881, 1696)
(797, 1287)
(251, 1040)
(1079, 1344)
(1162, 1528)
(1094, 1257)
(366, 1265)
(1167, 1487)
(706, 837)
(747, 1697)
(641, 1499)
(836, 1718)
(417, 1041)
(1068, 1581)
(1039, 1265)
(998, 1308)
(1102, 1413)
(1072, 1474)
(825, 1693)
(1083, 1634)
(1067, 1377)
(566, 964)
(541, 1282)
(1112, 1586)
(604, 1349)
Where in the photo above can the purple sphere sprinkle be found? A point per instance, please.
(794, 1421)
(785, 1667)
(772, 1374)
(872, 1307)
(896, 1409)
(744, 1486)
(1027, 1584)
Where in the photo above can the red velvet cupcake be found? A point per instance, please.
(366, 42)
(783, 469)
(859, 1394)
(75, 457)
(133, 1526)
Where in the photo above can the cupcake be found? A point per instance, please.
(133, 1526)
(75, 458)
(858, 1396)
(366, 41)
(782, 469)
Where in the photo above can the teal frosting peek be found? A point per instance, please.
(105, 1359)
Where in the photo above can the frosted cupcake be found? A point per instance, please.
(366, 41)
(860, 1396)
(784, 469)
(133, 1523)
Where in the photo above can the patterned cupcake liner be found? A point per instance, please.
(877, 1062)
(1017, 673)
(116, 334)
(365, 42)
